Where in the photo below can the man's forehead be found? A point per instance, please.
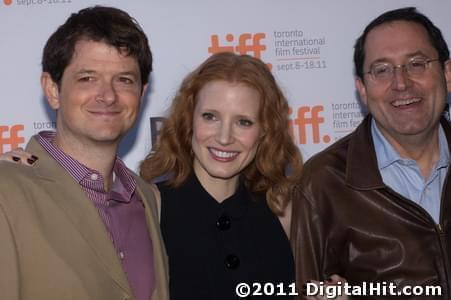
(397, 37)
(99, 52)
(84, 43)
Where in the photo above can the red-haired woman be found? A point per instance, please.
(230, 166)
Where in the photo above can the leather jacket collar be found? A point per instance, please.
(366, 176)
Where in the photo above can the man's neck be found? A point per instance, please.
(423, 148)
(95, 156)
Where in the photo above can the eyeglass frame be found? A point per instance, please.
(403, 67)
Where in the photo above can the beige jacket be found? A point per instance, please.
(53, 243)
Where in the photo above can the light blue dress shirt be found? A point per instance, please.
(404, 176)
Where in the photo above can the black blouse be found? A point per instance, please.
(214, 246)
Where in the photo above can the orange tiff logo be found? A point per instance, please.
(247, 44)
(307, 119)
(8, 2)
(9, 136)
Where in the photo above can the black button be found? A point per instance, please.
(223, 223)
(232, 261)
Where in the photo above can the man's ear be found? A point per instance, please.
(360, 86)
(51, 90)
(144, 90)
(448, 74)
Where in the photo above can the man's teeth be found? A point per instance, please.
(406, 101)
(223, 154)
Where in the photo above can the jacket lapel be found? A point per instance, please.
(363, 176)
(82, 214)
(160, 258)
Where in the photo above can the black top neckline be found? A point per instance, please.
(235, 206)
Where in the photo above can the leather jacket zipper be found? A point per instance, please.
(437, 228)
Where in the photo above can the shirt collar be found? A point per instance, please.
(444, 159)
(126, 184)
(78, 171)
(387, 155)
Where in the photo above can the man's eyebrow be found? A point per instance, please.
(85, 71)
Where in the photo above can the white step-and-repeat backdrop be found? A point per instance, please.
(308, 44)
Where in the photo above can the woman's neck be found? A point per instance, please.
(219, 188)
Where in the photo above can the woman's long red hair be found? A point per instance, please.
(277, 164)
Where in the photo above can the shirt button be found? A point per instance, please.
(223, 222)
(121, 255)
(232, 262)
(94, 176)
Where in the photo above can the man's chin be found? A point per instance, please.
(111, 138)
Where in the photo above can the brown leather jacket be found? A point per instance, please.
(347, 221)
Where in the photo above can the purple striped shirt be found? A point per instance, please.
(122, 212)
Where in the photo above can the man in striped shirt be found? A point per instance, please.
(79, 224)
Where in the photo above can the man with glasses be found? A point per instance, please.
(376, 205)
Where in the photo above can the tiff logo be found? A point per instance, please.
(247, 43)
(307, 118)
(9, 136)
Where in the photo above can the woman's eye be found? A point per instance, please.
(208, 116)
(245, 122)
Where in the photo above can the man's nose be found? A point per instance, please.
(107, 93)
(401, 79)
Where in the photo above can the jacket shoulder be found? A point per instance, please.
(143, 185)
(334, 156)
(18, 184)
(12, 173)
(148, 192)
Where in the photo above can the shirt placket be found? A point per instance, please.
(94, 185)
